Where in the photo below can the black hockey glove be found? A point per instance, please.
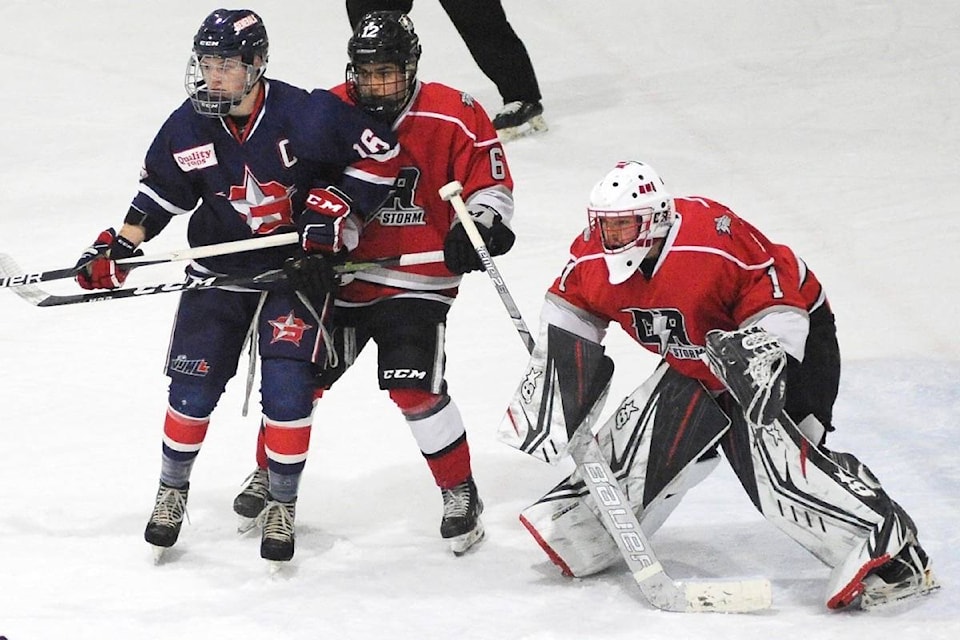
(458, 252)
(313, 276)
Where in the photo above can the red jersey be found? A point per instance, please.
(444, 135)
(715, 271)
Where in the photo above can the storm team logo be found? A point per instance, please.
(665, 332)
(400, 210)
(263, 206)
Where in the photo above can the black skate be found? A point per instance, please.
(252, 499)
(461, 523)
(277, 535)
(518, 119)
(163, 528)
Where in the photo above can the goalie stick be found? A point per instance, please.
(621, 522)
(193, 253)
(40, 298)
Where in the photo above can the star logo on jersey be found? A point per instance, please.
(722, 224)
(264, 206)
(289, 328)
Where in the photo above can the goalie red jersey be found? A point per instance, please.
(446, 136)
(716, 271)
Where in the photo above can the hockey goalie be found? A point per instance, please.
(750, 367)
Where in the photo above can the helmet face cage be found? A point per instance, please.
(630, 209)
(230, 50)
(383, 38)
(622, 230)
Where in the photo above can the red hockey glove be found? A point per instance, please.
(323, 224)
(97, 269)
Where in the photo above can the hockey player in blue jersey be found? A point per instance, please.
(245, 156)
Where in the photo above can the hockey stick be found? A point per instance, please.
(621, 522)
(193, 253)
(40, 298)
(451, 192)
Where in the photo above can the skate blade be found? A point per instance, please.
(876, 599)
(158, 553)
(534, 125)
(461, 544)
(276, 567)
(245, 524)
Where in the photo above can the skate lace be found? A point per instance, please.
(257, 483)
(171, 507)
(456, 501)
(277, 519)
(510, 108)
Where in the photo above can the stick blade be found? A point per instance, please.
(741, 596)
(31, 293)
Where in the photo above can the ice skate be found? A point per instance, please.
(461, 523)
(519, 119)
(163, 528)
(251, 500)
(277, 531)
(907, 575)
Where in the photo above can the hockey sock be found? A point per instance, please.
(438, 428)
(182, 438)
(286, 444)
(261, 447)
(450, 466)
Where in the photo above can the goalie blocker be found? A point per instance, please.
(661, 441)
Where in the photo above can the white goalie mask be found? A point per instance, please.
(630, 209)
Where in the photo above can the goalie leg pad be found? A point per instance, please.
(564, 388)
(828, 508)
(655, 442)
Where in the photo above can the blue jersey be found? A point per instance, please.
(241, 183)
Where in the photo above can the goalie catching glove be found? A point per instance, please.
(459, 254)
(751, 363)
(97, 267)
(325, 225)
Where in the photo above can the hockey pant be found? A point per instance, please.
(210, 330)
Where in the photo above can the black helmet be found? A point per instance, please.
(383, 37)
(226, 33)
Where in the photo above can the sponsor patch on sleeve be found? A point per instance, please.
(196, 158)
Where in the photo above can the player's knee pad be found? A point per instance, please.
(287, 389)
(416, 402)
(194, 400)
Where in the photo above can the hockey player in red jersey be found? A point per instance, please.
(444, 135)
(691, 281)
(246, 156)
